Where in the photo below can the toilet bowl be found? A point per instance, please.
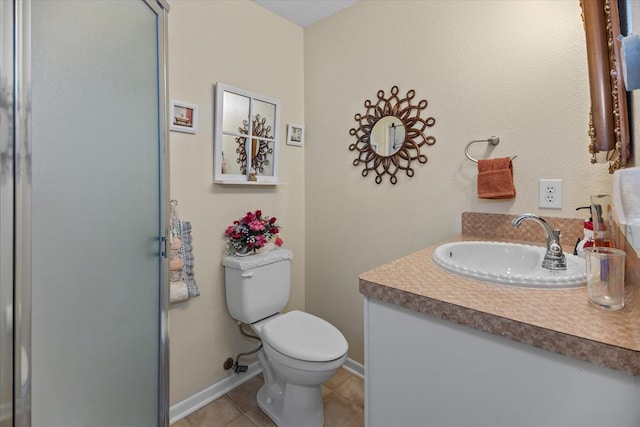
(301, 352)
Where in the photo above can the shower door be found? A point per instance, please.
(90, 230)
(6, 212)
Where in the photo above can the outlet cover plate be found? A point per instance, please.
(550, 193)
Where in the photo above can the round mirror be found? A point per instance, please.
(387, 136)
(396, 137)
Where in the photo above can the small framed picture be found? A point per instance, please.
(295, 135)
(183, 117)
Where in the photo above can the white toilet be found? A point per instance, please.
(300, 351)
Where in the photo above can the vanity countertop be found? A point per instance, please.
(559, 320)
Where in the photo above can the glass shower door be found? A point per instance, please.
(97, 200)
(6, 213)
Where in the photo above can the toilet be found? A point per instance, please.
(300, 351)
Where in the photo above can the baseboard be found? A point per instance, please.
(354, 367)
(222, 387)
(211, 393)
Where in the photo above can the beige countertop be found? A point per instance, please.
(559, 320)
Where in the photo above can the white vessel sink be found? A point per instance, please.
(509, 264)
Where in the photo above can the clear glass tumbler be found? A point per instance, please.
(605, 276)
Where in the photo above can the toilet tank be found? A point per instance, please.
(258, 285)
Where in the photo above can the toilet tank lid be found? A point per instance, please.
(257, 260)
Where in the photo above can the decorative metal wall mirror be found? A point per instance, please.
(245, 142)
(608, 120)
(390, 134)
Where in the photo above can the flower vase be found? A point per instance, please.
(269, 246)
(244, 252)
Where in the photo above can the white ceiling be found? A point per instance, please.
(305, 12)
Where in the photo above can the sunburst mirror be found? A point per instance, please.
(390, 135)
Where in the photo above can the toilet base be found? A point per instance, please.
(301, 406)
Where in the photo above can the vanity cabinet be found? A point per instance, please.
(424, 371)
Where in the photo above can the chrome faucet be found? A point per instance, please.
(554, 259)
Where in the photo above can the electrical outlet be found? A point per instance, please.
(550, 193)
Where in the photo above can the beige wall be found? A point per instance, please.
(515, 69)
(241, 44)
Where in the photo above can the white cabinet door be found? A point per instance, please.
(422, 371)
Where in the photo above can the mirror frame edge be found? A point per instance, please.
(608, 117)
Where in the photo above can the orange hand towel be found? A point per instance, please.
(495, 179)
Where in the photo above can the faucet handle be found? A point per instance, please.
(557, 233)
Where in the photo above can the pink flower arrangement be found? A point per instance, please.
(251, 233)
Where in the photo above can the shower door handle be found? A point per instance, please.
(163, 249)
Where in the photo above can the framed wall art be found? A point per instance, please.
(183, 117)
(295, 135)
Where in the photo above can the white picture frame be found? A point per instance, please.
(233, 106)
(183, 117)
(295, 135)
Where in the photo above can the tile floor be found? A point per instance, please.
(343, 405)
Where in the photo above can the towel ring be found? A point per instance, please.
(493, 140)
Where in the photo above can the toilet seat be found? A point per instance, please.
(303, 336)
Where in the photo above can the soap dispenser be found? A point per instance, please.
(588, 239)
(602, 218)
